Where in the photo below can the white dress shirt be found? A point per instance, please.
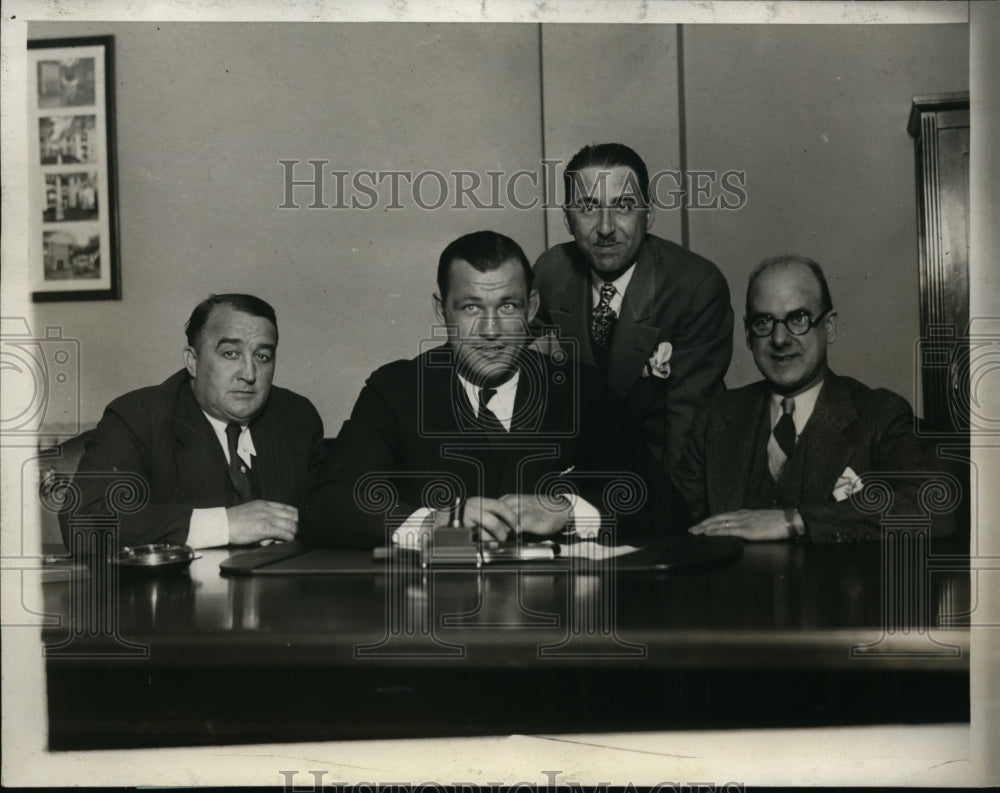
(586, 519)
(209, 528)
(620, 284)
(805, 403)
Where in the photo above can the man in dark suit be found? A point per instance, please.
(653, 317)
(780, 458)
(225, 456)
(478, 432)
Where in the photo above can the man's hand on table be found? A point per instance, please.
(750, 524)
(537, 515)
(262, 520)
(490, 515)
(501, 518)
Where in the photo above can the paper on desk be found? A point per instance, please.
(588, 549)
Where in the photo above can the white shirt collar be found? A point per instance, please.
(244, 446)
(620, 283)
(805, 403)
(502, 402)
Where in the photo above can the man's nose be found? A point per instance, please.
(605, 223)
(780, 336)
(489, 326)
(248, 370)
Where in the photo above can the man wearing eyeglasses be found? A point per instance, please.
(780, 458)
(654, 318)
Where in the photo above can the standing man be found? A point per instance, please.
(484, 418)
(225, 455)
(779, 458)
(653, 317)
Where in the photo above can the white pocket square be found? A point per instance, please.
(847, 483)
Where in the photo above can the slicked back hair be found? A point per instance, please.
(485, 251)
(605, 156)
(247, 304)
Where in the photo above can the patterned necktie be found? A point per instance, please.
(784, 430)
(238, 473)
(486, 418)
(603, 321)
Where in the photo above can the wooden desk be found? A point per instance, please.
(789, 635)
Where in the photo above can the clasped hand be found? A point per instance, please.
(262, 520)
(500, 518)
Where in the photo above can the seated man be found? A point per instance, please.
(489, 420)
(781, 457)
(226, 457)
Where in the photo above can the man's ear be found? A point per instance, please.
(439, 308)
(831, 327)
(649, 218)
(191, 360)
(533, 302)
(566, 223)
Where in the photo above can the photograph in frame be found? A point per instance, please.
(73, 246)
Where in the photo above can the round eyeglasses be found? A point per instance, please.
(798, 323)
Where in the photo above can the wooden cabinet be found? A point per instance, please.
(939, 125)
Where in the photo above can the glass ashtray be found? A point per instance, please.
(157, 557)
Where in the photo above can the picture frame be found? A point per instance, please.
(73, 248)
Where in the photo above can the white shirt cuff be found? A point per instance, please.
(209, 528)
(408, 534)
(586, 518)
(586, 522)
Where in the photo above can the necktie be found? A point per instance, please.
(603, 321)
(784, 430)
(238, 473)
(486, 418)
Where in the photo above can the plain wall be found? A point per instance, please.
(816, 117)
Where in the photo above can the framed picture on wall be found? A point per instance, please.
(73, 209)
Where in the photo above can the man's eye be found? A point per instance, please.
(232, 355)
(588, 209)
(264, 357)
(470, 309)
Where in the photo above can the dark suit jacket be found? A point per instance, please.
(411, 442)
(160, 434)
(724, 466)
(674, 295)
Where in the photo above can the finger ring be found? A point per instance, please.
(727, 524)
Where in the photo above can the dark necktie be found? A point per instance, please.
(238, 473)
(604, 318)
(784, 430)
(486, 417)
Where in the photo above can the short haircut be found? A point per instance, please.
(248, 304)
(784, 261)
(606, 156)
(485, 251)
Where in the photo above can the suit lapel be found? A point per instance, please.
(735, 442)
(200, 461)
(635, 336)
(276, 460)
(826, 448)
(445, 419)
(572, 313)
